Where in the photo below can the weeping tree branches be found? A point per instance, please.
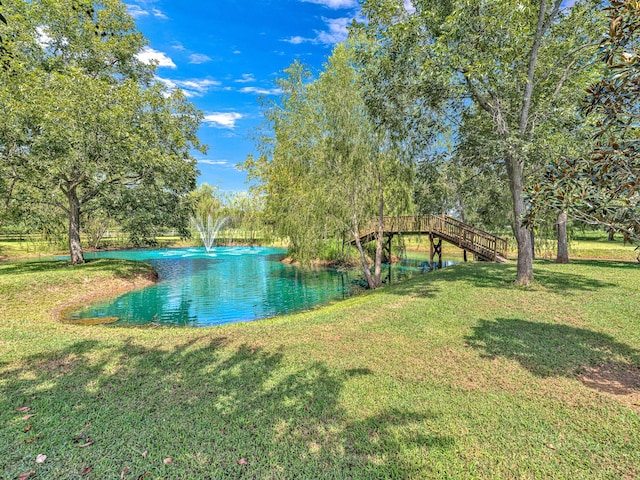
(324, 168)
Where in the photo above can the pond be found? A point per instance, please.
(229, 284)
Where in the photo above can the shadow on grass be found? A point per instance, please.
(120, 268)
(205, 404)
(502, 276)
(628, 265)
(555, 350)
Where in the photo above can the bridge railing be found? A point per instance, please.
(472, 237)
(465, 236)
(408, 223)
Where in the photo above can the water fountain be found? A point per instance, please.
(209, 231)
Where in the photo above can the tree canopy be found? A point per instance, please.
(601, 188)
(324, 168)
(512, 68)
(85, 125)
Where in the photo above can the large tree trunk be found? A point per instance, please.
(533, 244)
(563, 246)
(363, 257)
(523, 237)
(380, 236)
(75, 247)
(365, 263)
(611, 235)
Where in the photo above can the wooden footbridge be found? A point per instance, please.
(483, 245)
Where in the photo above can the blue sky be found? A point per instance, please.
(225, 54)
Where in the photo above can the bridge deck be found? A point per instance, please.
(483, 244)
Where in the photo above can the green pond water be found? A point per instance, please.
(229, 284)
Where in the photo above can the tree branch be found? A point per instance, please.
(533, 58)
(478, 97)
(565, 75)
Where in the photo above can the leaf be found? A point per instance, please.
(23, 409)
(143, 475)
(26, 429)
(27, 417)
(26, 475)
(86, 470)
(551, 446)
(31, 440)
(243, 461)
(168, 461)
(124, 471)
(41, 458)
(84, 445)
(144, 454)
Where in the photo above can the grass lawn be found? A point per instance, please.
(455, 374)
(583, 245)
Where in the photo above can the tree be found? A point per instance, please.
(246, 212)
(516, 64)
(100, 132)
(207, 201)
(602, 188)
(325, 168)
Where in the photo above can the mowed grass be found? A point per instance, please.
(591, 245)
(455, 374)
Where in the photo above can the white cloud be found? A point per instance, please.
(298, 40)
(337, 32)
(261, 91)
(158, 13)
(237, 52)
(223, 119)
(191, 88)
(335, 4)
(178, 46)
(136, 11)
(148, 55)
(214, 162)
(246, 78)
(198, 58)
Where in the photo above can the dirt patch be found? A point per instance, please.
(616, 379)
(58, 366)
(101, 290)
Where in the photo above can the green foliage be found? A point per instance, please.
(207, 201)
(245, 211)
(324, 169)
(503, 78)
(602, 188)
(86, 128)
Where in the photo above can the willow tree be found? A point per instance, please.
(510, 60)
(99, 130)
(324, 167)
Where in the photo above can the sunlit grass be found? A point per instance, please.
(455, 374)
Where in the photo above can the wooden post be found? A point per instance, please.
(388, 249)
(465, 255)
(431, 251)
